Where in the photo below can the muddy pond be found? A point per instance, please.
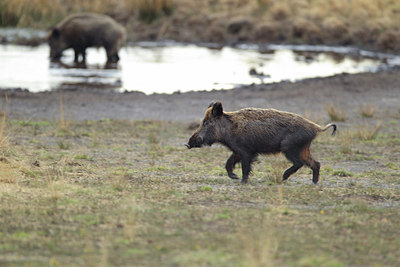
(172, 67)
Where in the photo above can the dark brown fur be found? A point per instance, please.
(249, 132)
(80, 31)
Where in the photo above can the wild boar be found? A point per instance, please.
(249, 132)
(80, 31)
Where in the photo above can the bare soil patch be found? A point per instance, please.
(349, 93)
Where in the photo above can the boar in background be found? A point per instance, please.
(80, 31)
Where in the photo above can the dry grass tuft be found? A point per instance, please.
(335, 114)
(8, 174)
(279, 164)
(3, 119)
(334, 29)
(3, 138)
(306, 31)
(369, 133)
(367, 111)
(280, 11)
(63, 124)
(150, 10)
(346, 143)
(260, 246)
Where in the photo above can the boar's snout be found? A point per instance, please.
(113, 58)
(55, 55)
(194, 141)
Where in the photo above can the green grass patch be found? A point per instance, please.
(342, 173)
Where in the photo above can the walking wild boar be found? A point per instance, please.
(249, 132)
(80, 31)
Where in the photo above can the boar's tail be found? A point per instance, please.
(328, 126)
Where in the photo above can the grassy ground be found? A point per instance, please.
(106, 193)
(371, 24)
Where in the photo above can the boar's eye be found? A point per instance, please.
(206, 123)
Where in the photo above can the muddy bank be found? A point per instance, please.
(346, 92)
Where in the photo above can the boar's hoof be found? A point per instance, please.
(55, 59)
(233, 176)
(244, 181)
(188, 146)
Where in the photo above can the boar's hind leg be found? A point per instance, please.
(310, 162)
(290, 171)
(112, 54)
(230, 165)
(294, 157)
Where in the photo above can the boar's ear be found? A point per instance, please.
(217, 109)
(55, 33)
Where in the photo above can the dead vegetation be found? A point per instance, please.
(371, 24)
(3, 137)
(367, 111)
(336, 114)
(368, 132)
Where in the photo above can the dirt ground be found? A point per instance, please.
(308, 97)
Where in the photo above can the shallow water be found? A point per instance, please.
(167, 68)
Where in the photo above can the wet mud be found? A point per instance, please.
(347, 92)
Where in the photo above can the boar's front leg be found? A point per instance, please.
(246, 167)
(230, 165)
(80, 52)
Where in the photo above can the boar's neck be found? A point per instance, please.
(224, 130)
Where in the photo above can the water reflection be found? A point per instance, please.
(57, 63)
(166, 69)
(77, 76)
